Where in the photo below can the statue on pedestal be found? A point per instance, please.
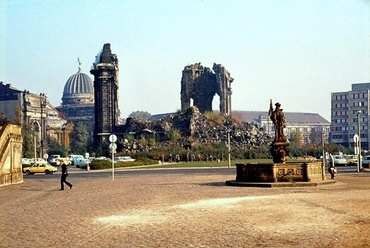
(279, 147)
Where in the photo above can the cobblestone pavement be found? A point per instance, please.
(181, 210)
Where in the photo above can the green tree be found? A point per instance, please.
(174, 134)
(56, 147)
(140, 115)
(143, 141)
(28, 146)
(316, 137)
(296, 138)
(79, 139)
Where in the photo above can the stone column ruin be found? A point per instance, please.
(201, 84)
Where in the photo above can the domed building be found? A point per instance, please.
(78, 100)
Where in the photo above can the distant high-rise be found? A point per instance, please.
(105, 71)
(347, 108)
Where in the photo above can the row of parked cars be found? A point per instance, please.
(345, 160)
(80, 162)
(44, 166)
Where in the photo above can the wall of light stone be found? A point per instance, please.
(10, 154)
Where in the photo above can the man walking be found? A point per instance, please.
(331, 169)
(63, 179)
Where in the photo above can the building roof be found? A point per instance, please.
(8, 93)
(78, 89)
(291, 117)
(78, 83)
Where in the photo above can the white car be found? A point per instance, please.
(26, 161)
(339, 160)
(32, 161)
(124, 159)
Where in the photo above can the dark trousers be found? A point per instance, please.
(331, 171)
(63, 181)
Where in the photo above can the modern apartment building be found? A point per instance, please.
(350, 116)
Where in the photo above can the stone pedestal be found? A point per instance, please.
(282, 172)
(279, 151)
(279, 174)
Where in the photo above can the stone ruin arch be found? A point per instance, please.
(201, 84)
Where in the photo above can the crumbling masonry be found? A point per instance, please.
(201, 84)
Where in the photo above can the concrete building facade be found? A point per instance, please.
(350, 116)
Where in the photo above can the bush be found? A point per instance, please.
(257, 153)
(100, 164)
(106, 164)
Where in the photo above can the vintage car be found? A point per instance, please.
(39, 168)
(339, 160)
(81, 162)
(124, 159)
(351, 159)
(366, 162)
(58, 160)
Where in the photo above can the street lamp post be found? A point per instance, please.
(228, 149)
(43, 103)
(228, 130)
(35, 131)
(323, 157)
(34, 145)
(359, 165)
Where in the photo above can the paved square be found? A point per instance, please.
(182, 210)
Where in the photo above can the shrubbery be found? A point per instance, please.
(106, 164)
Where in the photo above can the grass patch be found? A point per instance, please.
(154, 164)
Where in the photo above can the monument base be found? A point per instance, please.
(290, 174)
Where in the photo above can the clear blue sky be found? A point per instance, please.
(295, 52)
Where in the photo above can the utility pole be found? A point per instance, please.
(228, 148)
(359, 165)
(43, 103)
(323, 156)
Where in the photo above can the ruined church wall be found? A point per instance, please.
(201, 84)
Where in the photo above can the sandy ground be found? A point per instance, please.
(180, 210)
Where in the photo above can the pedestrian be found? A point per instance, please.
(332, 170)
(63, 179)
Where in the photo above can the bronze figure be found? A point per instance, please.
(279, 147)
(278, 118)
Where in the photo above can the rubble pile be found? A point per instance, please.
(200, 130)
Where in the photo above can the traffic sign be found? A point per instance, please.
(112, 138)
(355, 138)
(112, 146)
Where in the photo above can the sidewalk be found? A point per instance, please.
(177, 210)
